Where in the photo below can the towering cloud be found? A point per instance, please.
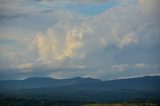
(51, 49)
(73, 41)
(43, 47)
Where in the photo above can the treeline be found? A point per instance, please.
(16, 101)
(37, 102)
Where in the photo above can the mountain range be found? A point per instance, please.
(83, 89)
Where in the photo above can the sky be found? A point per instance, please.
(102, 39)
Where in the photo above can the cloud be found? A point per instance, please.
(73, 41)
(151, 9)
(149, 6)
(140, 65)
(118, 26)
(123, 39)
(25, 66)
(92, 1)
(53, 51)
(43, 46)
(16, 10)
(80, 1)
(4, 17)
(127, 39)
(130, 67)
(119, 68)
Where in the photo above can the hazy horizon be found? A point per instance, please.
(84, 78)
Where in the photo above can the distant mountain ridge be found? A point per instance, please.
(38, 82)
(84, 88)
(141, 83)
